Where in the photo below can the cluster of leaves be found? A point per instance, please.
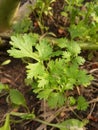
(53, 69)
(83, 17)
(23, 26)
(41, 8)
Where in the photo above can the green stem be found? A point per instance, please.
(88, 46)
(84, 45)
(49, 124)
(38, 120)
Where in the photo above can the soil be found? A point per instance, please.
(14, 75)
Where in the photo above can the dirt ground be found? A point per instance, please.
(14, 75)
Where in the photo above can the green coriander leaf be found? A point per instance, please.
(22, 46)
(82, 103)
(62, 42)
(56, 100)
(56, 72)
(70, 84)
(44, 49)
(34, 70)
(44, 94)
(23, 26)
(57, 53)
(72, 100)
(83, 78)
(56, 66)
(80, 60)
(78, 30)
(73, 48)
(67, 56)
(42, 82)
(72, 72)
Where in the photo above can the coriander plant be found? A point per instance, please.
(40, 9)
(53, 68)
(83, 20)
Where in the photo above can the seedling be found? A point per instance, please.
(55, 68)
